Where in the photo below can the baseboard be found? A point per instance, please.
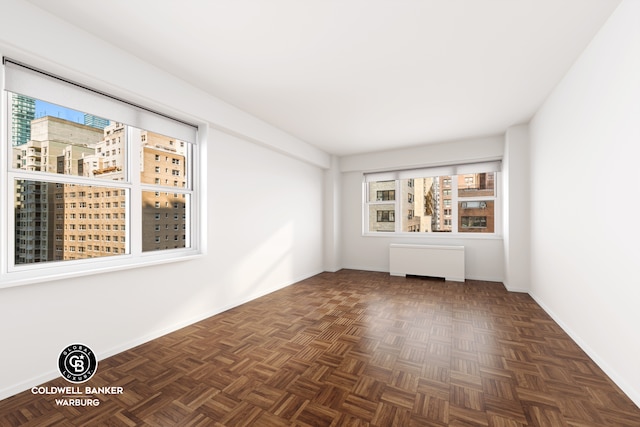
(485, 279)
(375, 270)
(515, 289)
(479, 278)
(28, 384)
(53, 374)
(632, 392)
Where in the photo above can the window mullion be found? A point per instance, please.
(454, 204)
(397, 207)
(134, 162)
(364, 202)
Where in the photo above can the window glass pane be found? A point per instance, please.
(382, 194)
(164, 159)
(476, 216)
(53, 139)
(382, 190)
(425, 204)
(164, 220)
(56, 221)
(477, 185)
(382, 217)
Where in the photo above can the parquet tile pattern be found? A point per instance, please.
(353, 348)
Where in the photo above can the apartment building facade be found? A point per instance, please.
(63, 221)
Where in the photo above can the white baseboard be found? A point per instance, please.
(630, 390)
(53, 374)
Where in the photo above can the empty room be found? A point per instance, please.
(319, 213)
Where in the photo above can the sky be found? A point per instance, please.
(47, 109)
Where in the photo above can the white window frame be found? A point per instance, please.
(426, 172)
(151, 120)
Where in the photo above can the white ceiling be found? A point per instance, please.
(351, 76)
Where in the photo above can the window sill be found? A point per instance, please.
(436, 236)
(57, 271)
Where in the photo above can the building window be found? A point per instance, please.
(386, 216)
(385, 195)
(446, 199)
(85, 186)
(473, 222)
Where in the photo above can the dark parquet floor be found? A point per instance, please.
(353, 348)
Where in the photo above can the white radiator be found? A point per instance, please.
(427, 260)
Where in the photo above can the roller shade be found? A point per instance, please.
(457, 169)
(28, 81)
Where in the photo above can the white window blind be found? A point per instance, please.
(28, 81)
(446, 170)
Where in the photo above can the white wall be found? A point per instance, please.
(516, 207)
(584, 233)
(332, 218)
(264, 216)
(484, 256)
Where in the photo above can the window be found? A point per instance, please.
(385, 195)
(450, 199)
(75, 177)
(385, 216)
(473, 222)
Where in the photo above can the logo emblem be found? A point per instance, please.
(77, 363)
